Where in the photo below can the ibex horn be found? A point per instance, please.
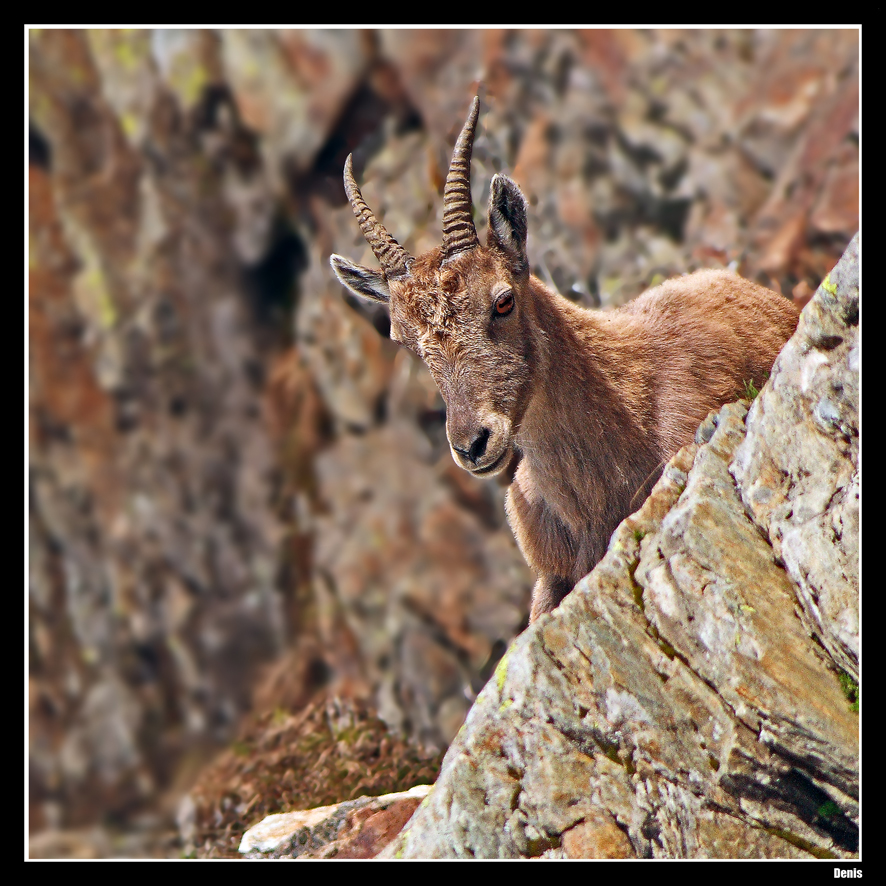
(459, 232)
(394, 259)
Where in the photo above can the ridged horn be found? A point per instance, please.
(459, 232)
(394, 259)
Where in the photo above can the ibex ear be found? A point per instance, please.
(507, 221)
(363, 282)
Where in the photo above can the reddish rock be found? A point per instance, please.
(355, 829)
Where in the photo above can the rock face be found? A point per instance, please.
(675, 705)
(798, 469)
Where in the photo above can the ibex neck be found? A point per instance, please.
(578, 354)
(588, 401)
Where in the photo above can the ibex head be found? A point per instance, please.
(463, 308)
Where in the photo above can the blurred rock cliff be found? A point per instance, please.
(240, 491)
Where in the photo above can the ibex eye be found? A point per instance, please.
(504, 304)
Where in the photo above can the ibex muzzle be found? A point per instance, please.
(593, 402)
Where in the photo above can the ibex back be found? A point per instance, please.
(594, 403)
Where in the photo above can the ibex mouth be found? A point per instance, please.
(498, 465)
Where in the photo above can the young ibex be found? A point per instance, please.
(594, 402)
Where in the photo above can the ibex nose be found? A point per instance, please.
(477, 447)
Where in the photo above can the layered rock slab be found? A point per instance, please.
(799, 468)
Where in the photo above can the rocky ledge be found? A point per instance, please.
(696, 695)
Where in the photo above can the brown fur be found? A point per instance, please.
(593, 402)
